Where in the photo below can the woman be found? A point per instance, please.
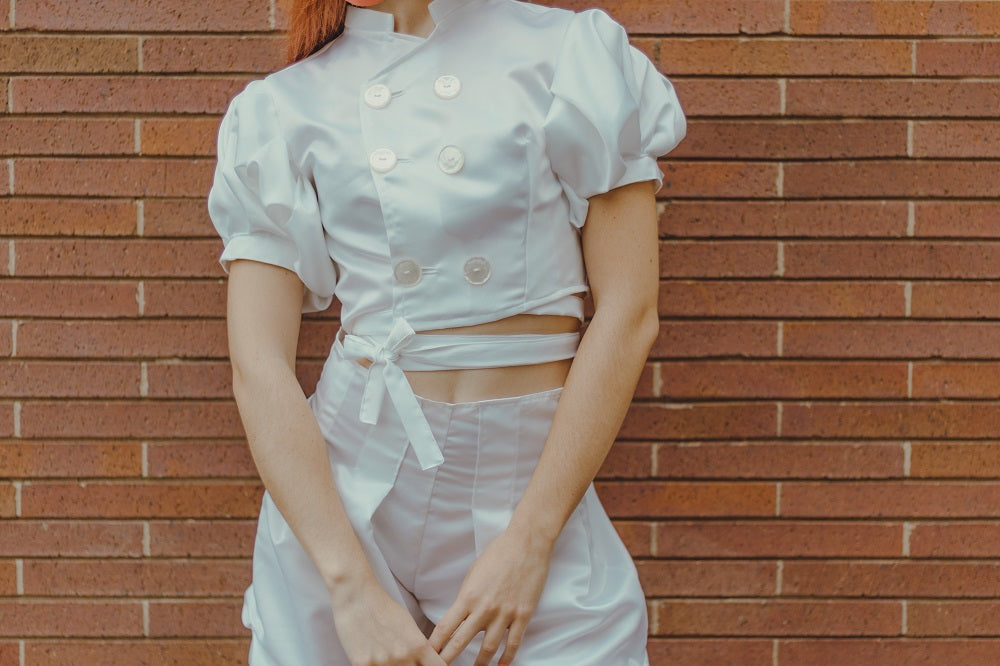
(448, 169)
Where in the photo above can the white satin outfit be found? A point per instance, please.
(432, 183)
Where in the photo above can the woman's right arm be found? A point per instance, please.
(264, 315)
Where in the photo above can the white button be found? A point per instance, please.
(407, 272)
(451, 160)
(447, 86)
(382, 160)
(378, 96)
(477, 270)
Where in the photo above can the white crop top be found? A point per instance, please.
(442, 179)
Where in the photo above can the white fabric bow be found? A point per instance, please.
(385, 376)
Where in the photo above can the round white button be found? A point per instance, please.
(477, 270)
(451, 160)
(378, 96)
(407, 272)
(447, 86)
(382, 160)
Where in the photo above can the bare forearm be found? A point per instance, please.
(592, 406)
(290, 454)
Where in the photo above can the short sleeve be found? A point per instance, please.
(260, 203)
(612, 114)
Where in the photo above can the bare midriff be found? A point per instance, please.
(471, 384)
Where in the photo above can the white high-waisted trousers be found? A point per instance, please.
(423, 524)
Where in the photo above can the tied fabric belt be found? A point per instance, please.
(404, 349)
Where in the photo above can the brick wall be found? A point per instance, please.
(809, 474)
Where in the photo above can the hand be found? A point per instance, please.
(375, 630)
(500, 592)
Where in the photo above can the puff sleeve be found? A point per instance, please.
(260, 203)
(612, 114)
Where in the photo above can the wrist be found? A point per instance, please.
(535, 533)
(345, 582)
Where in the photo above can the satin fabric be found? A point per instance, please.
(548, 107)
(421, 529)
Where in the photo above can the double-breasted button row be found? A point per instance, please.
(447, 86)
(477, 270)
(450, 159)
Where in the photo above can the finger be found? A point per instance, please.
(462, 637)
(491, 641)
(447, 626)
(514, 636)
(430, 657)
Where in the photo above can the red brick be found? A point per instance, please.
(969, 139)
(68, 379)
(707, 579)
(64, 217)
(902, 17)
(956, 218)
(64, 298)
(955, 459)
(958, 58)
(957, 539)
(718, 259)
(888, 499)
(888, 97)
(702, 97)
(948, 420)
(956, 380)
(689, 16)
(835, 219)
(628, 460)
(8, 500)
(9, 650)
(782, 379)
(184, 298)
(778, 538)
(124, 16)
(698, 339)
(711, 652)
(633, 499)
(209, 379)
(113, 177)
(130, 653)
(177, 217)
(890, 178)
(189, 619)
(124, 578)
(8, 581)
(975, 259)
(200, 459)
(953, 618)
(201, 538)
(892, 578)
(124, 94)
(792, 139)
(915, 340)
(184, 138)
(756, 298)
(779, 459)
(19, 458)
(121, 419)
(70, 538)
(707, 420)
(794, 617)
(779, 56)
(909, 651)
(956, 300)
(59, 54)
(70, 618)
(150, 500)
(254, 54)
(637, 536)
(719, 179)
(76, 136)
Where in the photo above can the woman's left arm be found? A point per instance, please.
(502, 588)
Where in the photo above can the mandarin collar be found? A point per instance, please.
(373, 19)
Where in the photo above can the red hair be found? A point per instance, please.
(311, 25)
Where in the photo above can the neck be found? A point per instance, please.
(411, 16)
